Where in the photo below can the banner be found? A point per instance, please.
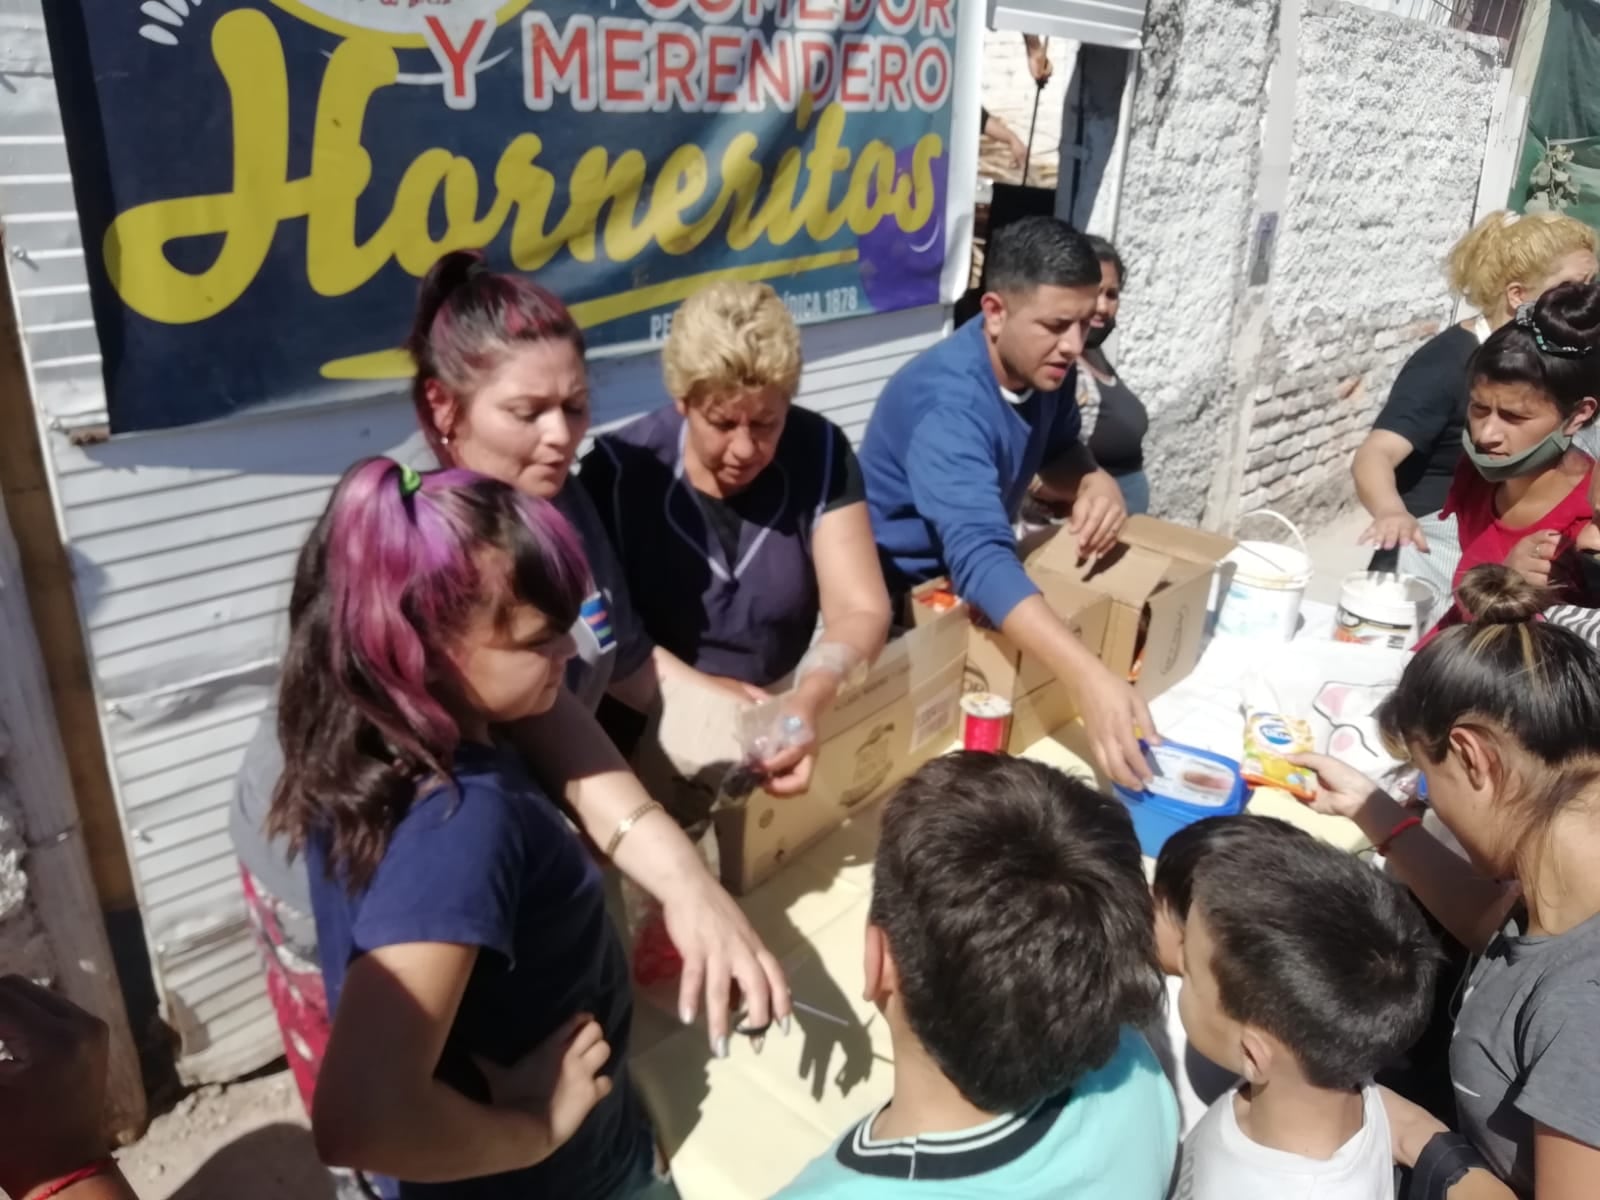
(261, 185)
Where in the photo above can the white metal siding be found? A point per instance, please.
(1118, 23)
(183, 542)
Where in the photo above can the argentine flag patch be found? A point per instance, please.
(598, 618)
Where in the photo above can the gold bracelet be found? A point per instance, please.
(627, 823)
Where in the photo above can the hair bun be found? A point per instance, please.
(1569, 314)
(1494, 594)
(444, 278)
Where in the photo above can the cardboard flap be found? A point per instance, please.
(1176, 541)
(1129, 574)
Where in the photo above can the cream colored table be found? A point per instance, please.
(742, 1127)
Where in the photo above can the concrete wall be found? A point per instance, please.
(1361, 135)
(1357, 279)
(1188, 191)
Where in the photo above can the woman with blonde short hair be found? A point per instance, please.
(740, 517)
(1404, 467)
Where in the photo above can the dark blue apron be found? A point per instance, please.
(750, 616)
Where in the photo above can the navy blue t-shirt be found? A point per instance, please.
(494, 864)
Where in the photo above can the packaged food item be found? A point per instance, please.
(1189, 784)
(1269, 738)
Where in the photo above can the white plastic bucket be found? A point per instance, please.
(1268, 584)
(1381, 609)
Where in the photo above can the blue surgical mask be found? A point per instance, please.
(1499, 468)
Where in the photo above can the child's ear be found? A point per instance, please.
(878, 969)
(1256, 1053)
(1169, 939)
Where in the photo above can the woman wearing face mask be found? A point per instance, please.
(1503, 718)
(1521, 494)
(1114, 419)
(1404, 467)
(740, 518)
(501, 389)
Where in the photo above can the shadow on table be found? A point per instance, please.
(272, 1163)
(835, 1053)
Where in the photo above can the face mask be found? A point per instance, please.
(1531, 461)
(1097, 335)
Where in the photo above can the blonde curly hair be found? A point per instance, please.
(731, 336)
(1506, 248)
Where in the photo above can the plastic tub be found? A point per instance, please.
(1190, 785)
(1381, 609)
(1268, 585)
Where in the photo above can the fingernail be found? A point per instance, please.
(785, 1024)
(720, 1047)
(686, 1015)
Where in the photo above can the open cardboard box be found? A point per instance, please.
(1158, 572)
(904, 713)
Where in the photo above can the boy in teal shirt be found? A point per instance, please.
(1010, 948)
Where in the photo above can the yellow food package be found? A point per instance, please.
(1268, 740)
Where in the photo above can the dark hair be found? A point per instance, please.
(468, 317)
(1105, 252)
(1014, 903)
(1315, 948)
(1039, 252)
(1532, 682)
(1553, 346)
(384, 583)
(1184, 854)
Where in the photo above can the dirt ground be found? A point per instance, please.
(242, 1141)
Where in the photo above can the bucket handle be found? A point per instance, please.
(1281, 519)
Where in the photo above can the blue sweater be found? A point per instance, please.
(947, 461)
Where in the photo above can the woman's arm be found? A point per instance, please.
(1373, 470)
(855, 601)
(569, 752)
(1563, 1169)
(1471, 907)
(378, 1106)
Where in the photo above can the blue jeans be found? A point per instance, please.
(1135, 487)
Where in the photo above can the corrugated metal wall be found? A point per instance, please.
(183, 543)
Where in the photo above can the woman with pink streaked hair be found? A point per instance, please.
(501, 389)
(480, 993)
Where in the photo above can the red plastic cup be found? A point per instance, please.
(985, 720)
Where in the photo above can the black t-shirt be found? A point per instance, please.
(1428, 407)
(1117, 441)
(725, 516)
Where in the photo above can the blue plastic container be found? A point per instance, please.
(1190, 785)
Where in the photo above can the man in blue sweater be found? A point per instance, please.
(956, 441)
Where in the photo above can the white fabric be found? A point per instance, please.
(1016, 398)
(1220, 1162)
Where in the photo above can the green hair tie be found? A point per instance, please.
(410, 481)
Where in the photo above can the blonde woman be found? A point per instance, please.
(740, 518)
(1404, 467)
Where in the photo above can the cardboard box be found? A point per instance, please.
(1159, 572)
(904, 713)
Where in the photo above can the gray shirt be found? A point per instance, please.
(612, 644)
(1527, 1045)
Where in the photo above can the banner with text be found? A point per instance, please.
(261, 186)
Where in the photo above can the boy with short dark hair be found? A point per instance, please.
(1305, 971)
(1009, 947)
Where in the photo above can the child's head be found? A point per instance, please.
(1535, 383)
(1298, 958)
(1010, 928)
(1503, 718)
(425, 609)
